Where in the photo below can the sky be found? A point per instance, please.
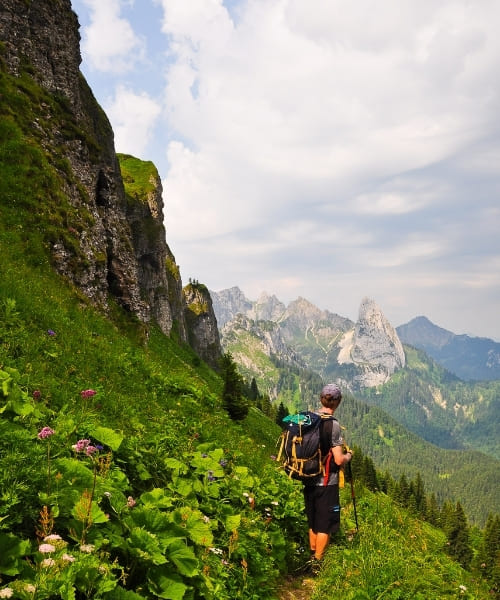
(325, 149)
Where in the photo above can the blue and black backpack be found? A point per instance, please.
(304, 453)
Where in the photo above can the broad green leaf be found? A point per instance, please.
(150, 519)
(184, 558)
(12, 553)
(156, 498)
(194, 524)
(183, 487)
(146, 546)
(233, 522)
(107, 436)
(176, 465)
(166, 585)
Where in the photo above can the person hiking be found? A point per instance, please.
(321, 493)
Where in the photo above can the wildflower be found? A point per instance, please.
(47, 563)
(37, 394)
(89, 450)
(223, 462)
(53, 537)
(462, 589)
(273, 456)
(107, 494)
(87, 393)
(81, 445)
(210, 476)
(45, 433)
(46, 548)
(51, 332)
(216, 550)
(274, 503)
(246, 494)
(206, 519)
(204, 455)
(131, 502)
(7, 592)
(68, 558)
(224, 562)
(87, 548)
(30, 588)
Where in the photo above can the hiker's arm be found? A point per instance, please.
(339, 457)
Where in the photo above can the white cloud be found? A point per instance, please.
(109, 42)
(134, 117)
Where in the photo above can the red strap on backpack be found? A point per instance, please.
(327, 468)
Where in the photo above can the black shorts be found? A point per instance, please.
(322, 508)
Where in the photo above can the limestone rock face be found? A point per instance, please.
(201, 324)
(373, 346)
(228, 303)
(115, 246)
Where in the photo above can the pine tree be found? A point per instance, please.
(458, 545)
(488, 557)
(281, 414)
(232, 395)
(254, 390)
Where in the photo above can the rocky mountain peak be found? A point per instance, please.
(373, 346)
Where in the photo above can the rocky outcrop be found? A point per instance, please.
(111, 238)
(373, 347)
(229, 303)
(201, 324)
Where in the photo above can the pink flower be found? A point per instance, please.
(89, 450)
(45, 433)
(131, 502)
(81, 445)
(88, 393)
(46, 548)
(37, 394)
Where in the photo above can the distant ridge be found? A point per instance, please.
(469, 358)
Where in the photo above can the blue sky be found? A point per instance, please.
(318, 148)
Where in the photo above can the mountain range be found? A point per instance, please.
(290, 350)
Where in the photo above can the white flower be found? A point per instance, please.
(46, 548)
(246, 495)
(88, 548)
(216, 550)
(6, 592)
(30, 588)
(47, 562)
(275, 503)
(462, 589)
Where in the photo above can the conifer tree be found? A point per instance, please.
(232, 395)
(457, 530)
(281, 414)
(488, 557)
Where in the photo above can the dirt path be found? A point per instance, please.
(296, 588)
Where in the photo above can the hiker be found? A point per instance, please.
(321, 493)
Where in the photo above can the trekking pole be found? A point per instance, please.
(353, 496)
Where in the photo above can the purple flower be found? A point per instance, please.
(51, 332)
(88, 393)
(45, 433)
(211, 476)
(223, 462)
(37, 394)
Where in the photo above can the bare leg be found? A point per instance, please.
(321, 540)
(312, 541)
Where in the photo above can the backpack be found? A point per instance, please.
(301, 454)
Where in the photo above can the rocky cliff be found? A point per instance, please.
(109, 239)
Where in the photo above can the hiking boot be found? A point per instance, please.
(312, 567)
